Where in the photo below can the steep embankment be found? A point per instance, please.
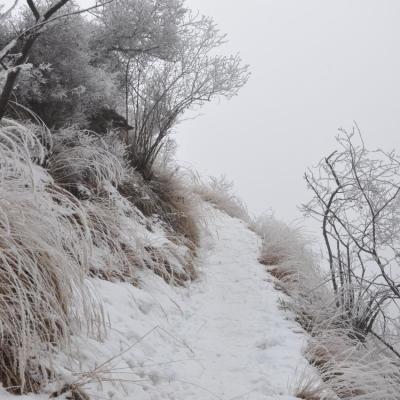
(224, 337)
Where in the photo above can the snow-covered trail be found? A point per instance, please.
(247, 346)
(222, 338)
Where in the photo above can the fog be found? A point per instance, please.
(316, 66)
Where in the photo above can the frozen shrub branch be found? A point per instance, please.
(356, 198)
(159, 89)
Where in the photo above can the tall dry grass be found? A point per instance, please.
(81, 161)
(348, 369)
(219, 192)
(114, 195)
(44, 248)
(85, 214)
(170, 203)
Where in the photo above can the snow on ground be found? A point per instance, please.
(224, 337)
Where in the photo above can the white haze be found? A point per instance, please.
(316, 65)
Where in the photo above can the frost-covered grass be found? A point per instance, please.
(167, 204)
(285, 252)
(65, 222)
(349, 369)
(80, 160)
(122, 207)
(350, 364)
(286, 247)
(182, 207)
(219, 193)
(44, 249)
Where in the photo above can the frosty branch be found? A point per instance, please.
(356, 198)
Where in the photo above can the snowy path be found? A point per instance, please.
(247, 346)
(223, 338)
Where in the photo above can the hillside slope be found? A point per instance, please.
(224, 337)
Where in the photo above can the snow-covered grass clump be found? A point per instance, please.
(286, 247)
(351, 369)
(79, 158)
(219, 193)
(134, 223)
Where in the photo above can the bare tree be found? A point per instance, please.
(357, 200)
(161, 90)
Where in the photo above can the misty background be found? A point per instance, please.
(316, 66)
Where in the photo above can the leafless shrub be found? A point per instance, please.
(356, 198)
(159, 91)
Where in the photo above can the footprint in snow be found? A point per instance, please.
(267, 343)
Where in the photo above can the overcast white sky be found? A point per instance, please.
(317, 65)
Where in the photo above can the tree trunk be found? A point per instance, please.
(12, 76)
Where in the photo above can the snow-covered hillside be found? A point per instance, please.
(223, 337)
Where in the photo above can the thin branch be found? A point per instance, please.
(8, 12)
(33, 8)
